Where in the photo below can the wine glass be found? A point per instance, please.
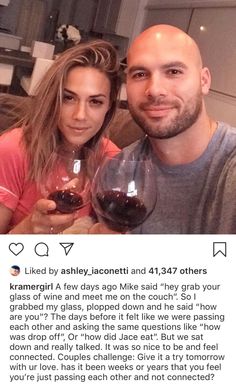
(68, 183)
(124, 192)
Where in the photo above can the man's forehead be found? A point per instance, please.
(162, 47)
(146, 57)
(163, 58)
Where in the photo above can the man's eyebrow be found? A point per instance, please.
(91, 96)
(176, 63)
(136, 68)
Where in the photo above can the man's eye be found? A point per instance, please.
(138, 75)
(174, 71)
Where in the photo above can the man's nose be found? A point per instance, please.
(79, 111)
(156, 86)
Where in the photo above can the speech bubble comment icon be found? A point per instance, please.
(41, 249)
(16, 248)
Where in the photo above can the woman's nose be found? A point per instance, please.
(79, 111)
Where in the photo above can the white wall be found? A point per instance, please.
(221, 107)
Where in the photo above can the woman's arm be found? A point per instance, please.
(40, 221)
(5, 218)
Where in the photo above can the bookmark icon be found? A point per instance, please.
(219, 248)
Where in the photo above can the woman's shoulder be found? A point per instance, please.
(109, 146)
(13, 135)
(11, 142)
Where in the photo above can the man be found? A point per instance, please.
(194, 157)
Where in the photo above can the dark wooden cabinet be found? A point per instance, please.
(107, 16)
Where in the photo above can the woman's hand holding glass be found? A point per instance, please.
(43, 219)
(66, 190)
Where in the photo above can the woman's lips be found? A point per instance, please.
(79, 129)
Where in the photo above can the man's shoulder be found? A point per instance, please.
(228, 152)
(227, 129)
(136, 147)
(223, 144)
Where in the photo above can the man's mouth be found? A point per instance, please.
(157, 111)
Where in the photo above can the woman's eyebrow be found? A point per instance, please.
(91, 96)
(98, 95)
(69, 91)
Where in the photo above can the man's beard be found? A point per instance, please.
(154, 127)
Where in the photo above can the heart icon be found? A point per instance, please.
(16, 248)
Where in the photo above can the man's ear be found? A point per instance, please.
(205, 80)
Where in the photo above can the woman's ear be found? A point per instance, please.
(205, 80)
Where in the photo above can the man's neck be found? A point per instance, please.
(187, 146)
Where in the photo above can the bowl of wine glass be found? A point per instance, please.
(124, 192)
(68, 183)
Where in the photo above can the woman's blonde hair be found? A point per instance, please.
(41, 136)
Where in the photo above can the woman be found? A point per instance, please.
(73, 105)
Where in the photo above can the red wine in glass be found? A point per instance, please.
(67, 201)
(121, 212)
(68, 183)
(124, 192)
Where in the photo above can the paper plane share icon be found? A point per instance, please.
(67, 246)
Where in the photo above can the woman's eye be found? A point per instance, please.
(96, 102)
(68, 98)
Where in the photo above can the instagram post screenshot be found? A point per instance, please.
(117, 197)
(115, 309)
